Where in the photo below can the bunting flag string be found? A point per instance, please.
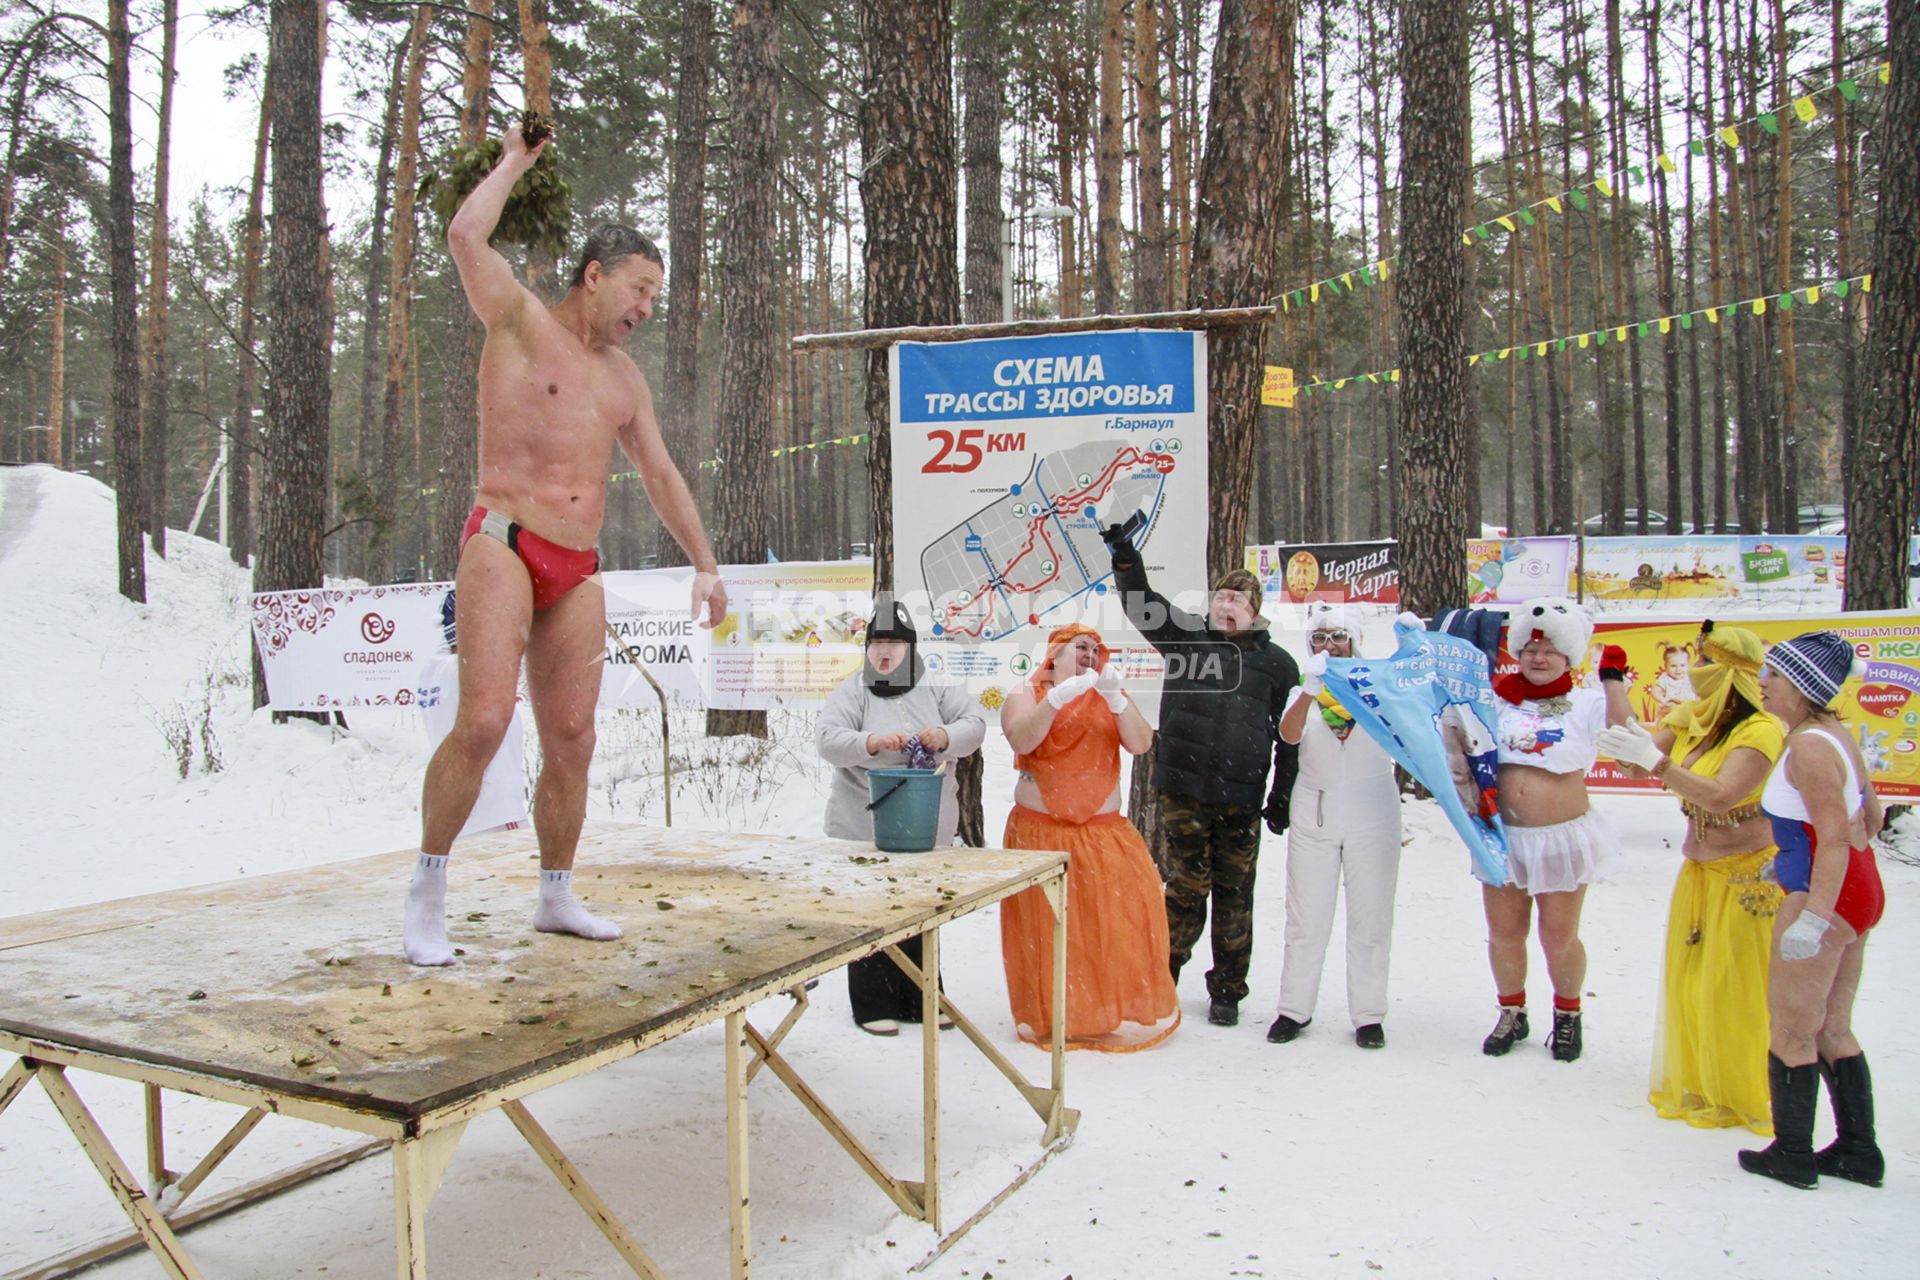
(714, 464)
(1805, 295)
(1805, 108)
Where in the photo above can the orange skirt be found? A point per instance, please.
(1120, 994)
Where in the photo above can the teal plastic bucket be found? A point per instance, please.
(905, 808)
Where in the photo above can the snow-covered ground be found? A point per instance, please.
(1216, 1154)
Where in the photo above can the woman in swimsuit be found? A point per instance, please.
(1825, 815)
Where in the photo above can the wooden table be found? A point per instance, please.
(286, 994)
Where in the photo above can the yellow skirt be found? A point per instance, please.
(1710, 1043)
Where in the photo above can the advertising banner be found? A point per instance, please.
(335, 648)
(1509, 570)
(1430, 707)
(649, 613)
(1010, 455)
(792, 632)
(1882, 710)
(1362, 573)
(1635, 573)
(1791, 571)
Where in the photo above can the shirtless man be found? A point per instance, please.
(556, 392)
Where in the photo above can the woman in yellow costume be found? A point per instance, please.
(1714, 753)
(1067, 727)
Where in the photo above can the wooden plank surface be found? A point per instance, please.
(295, 981)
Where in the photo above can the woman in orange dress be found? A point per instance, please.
(1067, 727)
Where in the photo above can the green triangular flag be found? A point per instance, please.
(1770, 122)
(1697, 145)
(1850, 90)
(1686, 321)
(1641, 332)
(1526, 217)
(1786, 302)
(1563, 345)
(1842, 288)
(1600, 337)
(1579, 199)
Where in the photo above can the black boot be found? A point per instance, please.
(1565, 1040)
(1224, 1013)
(1790, 1159)
(1852, 1154)
(1509, 1031)
(1285, 1029)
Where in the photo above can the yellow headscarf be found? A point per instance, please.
(1735, 655)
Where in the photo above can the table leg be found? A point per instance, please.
(930, 1075)
(739, 1221)
(418, 1165)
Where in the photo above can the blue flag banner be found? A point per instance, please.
(1430, 706)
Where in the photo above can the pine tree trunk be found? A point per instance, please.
(1886, 455)
(460, 409)
(1662, 224)
(1847, 339)
(57, 365)
(399, 361)
(982, 86)
(1788, 455)
(1106, 257)
(748, 363)
(155, 373)
(536, 58)
(369, 465)
(679, 406)
(247, 442)
(124, 324)
(1150, 277)
(1432, 293)
(294, 493)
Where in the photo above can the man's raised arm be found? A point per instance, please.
(488, 279)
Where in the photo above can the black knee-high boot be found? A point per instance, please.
(1790, 1159)
(1852, 1154)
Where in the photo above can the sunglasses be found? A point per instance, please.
(1331, 637)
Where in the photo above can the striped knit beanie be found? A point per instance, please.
(1816, 663)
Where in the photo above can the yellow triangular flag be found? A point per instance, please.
(1666, 162)
(1339, 384)
(1313, 293)
(1584, 338)
(1813, 293)
(1540, 350)
(1866, 283)
(1604, 187)
(1804, 108)
(1473, 360)
(1466, 237)
(1620, 334)
(1505, 352)
(1713, 315)
(1731, 136)
(1347, 280)
(1886, 72)
(1382, 265)
(1759, 306)
(1505, 221)
(1393, 375)
(1553, 203)
(1666, 324)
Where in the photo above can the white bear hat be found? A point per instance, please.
(1330, 615)
(1559, 621)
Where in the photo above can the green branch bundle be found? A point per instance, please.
(538, 214)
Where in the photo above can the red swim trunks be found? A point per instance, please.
(553, 569)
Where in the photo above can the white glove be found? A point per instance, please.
(1629, 743)
(1801, 941)
(1067, 690)
(1408, 618)
(1108, 683)
(1312, 669)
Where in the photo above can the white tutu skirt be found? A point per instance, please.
(1562, 857)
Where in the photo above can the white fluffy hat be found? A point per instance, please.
(1559, 621)
(1328, 615)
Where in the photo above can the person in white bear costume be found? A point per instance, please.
(1345, 827)
(1556, 846)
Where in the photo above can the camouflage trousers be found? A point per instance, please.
(1211, 850)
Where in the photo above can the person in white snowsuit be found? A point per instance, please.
(1345, 828)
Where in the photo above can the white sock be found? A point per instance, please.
(560, 912)
(426, 928)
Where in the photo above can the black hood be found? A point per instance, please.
(892, 622)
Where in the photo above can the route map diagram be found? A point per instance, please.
(1032, 553)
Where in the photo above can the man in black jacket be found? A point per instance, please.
(1226, 685)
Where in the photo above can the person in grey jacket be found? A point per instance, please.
(890, 715)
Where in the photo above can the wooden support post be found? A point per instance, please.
(186, 1186)
(15, 1080)
(583, 1194)
(739, 1221)
(930, 1076)
(418, 1165)
(1056, 894)
(157, 1175)
(799, 995)
(134, 1201)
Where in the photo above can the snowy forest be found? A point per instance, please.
(1668, 218)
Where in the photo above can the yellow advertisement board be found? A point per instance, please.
(1881, 710)
(1277, 387)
